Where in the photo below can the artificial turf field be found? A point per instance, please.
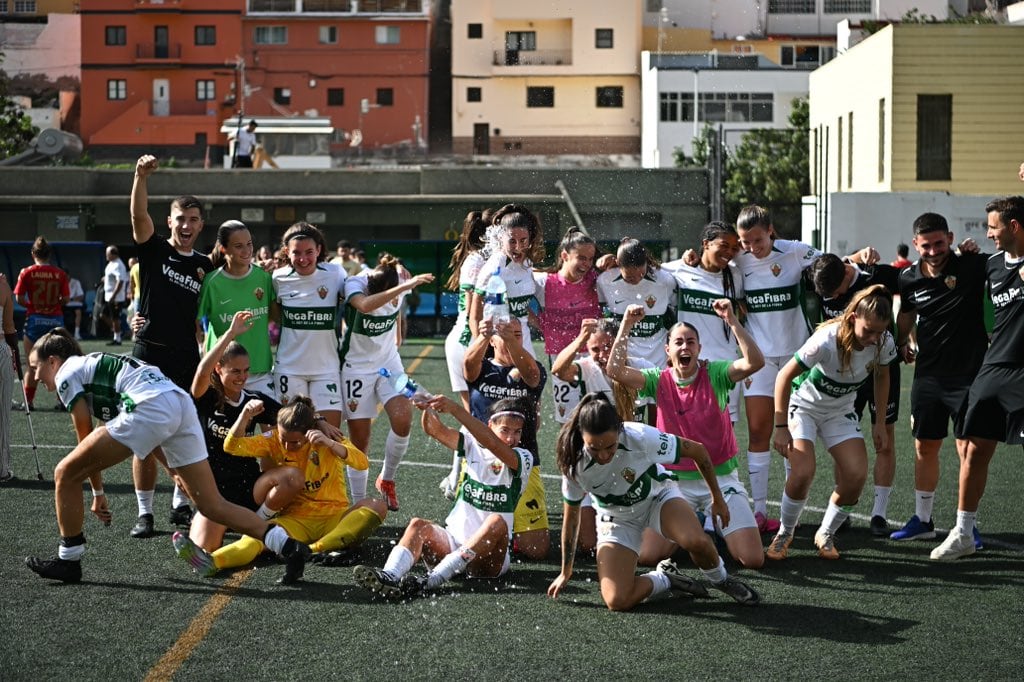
(883, 611)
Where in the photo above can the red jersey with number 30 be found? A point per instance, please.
(42, 288)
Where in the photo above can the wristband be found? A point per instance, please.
(319, 417)
(98, 493)
(782, 426)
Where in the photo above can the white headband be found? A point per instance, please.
(508, 413)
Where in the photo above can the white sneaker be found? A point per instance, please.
(954, 547)
(448, 487)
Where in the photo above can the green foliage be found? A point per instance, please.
(916, 16)
(16, 129)
(701, 150)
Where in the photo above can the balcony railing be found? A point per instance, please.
(158, 51)
(183, 108)
(337, 6)
(532, 57)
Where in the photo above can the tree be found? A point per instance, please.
(16, 129)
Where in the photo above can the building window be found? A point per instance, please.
(847, 6)
(271, 35)
(540, 97)
(335, 97)
(25, 6)
(805, 56)
(117, 89)
(730, 107)
(849, 150)
(3, 6)
(328, 35)
(604, 38)
(283, 95)
(206, 90)
(881, 140)
(474, 31)
(387, 35)
(206, 35)
(791, 6)
(934, 137)
(654, 5)
(609, 97)
(474, 94)
(117, 35)
(385, 97)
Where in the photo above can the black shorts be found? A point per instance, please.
(238, 492)
(933, 402)
(866, 396)
(995, 406)
(177, 364)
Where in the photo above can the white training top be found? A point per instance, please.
(697, 290)
(823, 389)
(774, 293)
(468, 274)
(656, 292)
(110, 383)
(309, 316)
(519, 288)
(371, 339)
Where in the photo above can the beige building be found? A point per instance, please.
(545, 77)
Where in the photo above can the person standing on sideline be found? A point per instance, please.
(244, 145)
(43, 289)
(76, 302)
(902, 250)
(115, 293)
(171, 274)
(942, 295)
(994, 411)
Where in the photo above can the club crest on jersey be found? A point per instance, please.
(629, 475)
(314, 457)
(561, 410)
(200, 274)
(322, 291)
(496, 467)
(748, 381)
(651, 300)
(514, 374)
(776, 269)
(258, 293)
(353, 405)
(950, 282)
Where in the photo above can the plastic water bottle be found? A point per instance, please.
(408, 388)
(495, 300)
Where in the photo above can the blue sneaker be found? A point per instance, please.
(915, 529)
(978, 544)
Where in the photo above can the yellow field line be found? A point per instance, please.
(412, 367)
(197, 630)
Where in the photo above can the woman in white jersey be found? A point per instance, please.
(373, 303)
(521, 244)
(467, 259)
(814, 395)
(308, 290)
(620, 465)
(143, 410)
(476, 536)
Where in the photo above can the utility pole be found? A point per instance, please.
(240, 101)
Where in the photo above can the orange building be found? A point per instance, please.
(158, 75)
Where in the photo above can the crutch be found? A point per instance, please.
(28, 413)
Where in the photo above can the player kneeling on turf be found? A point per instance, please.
(476, 534)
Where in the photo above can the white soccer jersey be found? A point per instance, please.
(697, 290)
(774, 293)
(468, 275)
(593, 379)
(626, 485)
(519, 286)
(110, 383)
(371, 339)
(487, 487)
(656, 292)
(823, 389)
(309, 316)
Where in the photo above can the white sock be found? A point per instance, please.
(395, 447)
(881, 506)
(789, 467)
(70, 553)
(356, 484)
(759, 465)
(275, 539)
(265, 512)
(452, 564)
(834, 517)
(145, 498)
(179, 498)
(924, 500)
(399, 562)
(965, 522)
(789, 516)
(717, 574)
(659, 581)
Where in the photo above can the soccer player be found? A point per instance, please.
(942, 305)
(43, 289)
(467, 259)
(994, 411)
(620, 464)
(814, 396)
(171, 274)
(143, 411)
(476, 535)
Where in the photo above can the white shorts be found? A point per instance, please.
(698, 495)
(629, 532)
(455, 354)
(762, 383)
(566, 396)
(362, 391)
(167, 420)
(832, 429)
(322, 389)
(263, 382)
(454, 543)
(735, 398)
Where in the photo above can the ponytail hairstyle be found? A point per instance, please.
(632, 254)
(755, 216)
(874, 301)
(57, 342)
(299, 415)
(234, 350)
(224, 232)
(385, 275)
(716, 229)
(625, 397)
(593, 414)
(573, 239)
(41, 249)
(472, 239)
(516, 215)
(304, 230)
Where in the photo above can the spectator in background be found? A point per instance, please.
(345, 260)
(901, 257)
(115, 293)
(360, 257)
(134, 288)
(265, 258)
(76, 303)
(244, 145)
(43, 289)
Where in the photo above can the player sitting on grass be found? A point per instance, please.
(476, 535)
(320, 514)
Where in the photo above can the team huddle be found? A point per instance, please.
(649, 364)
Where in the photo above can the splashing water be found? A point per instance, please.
(494, 240)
